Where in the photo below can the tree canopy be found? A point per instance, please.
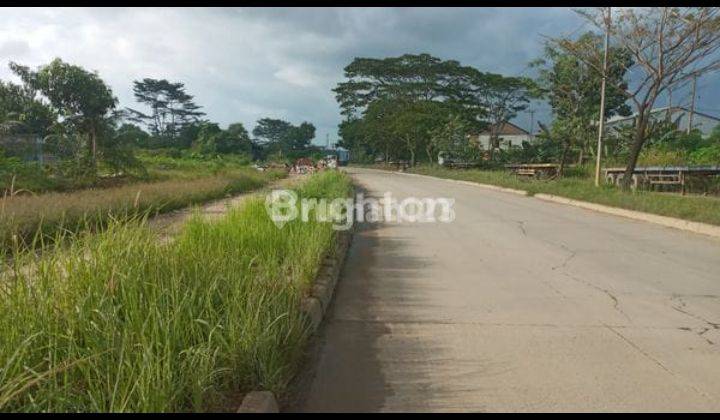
(282, 137)
(212, 139)
(415, 94)
(171, 107)
(80, 97)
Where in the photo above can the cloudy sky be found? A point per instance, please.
(247, 63)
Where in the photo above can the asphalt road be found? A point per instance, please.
(518, 305)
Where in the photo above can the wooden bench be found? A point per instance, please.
(534, 170)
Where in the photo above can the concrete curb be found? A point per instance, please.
(460, 181)
(259, 402)
(686, 225)
(313, 308)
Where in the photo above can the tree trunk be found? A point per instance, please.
(411, 149)
(93, 147)
(561, 168)
(492, 141)
(640, 136)
(428, 150)
(581, 155)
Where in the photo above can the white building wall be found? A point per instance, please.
(505, 140)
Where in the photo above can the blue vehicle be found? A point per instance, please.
(343, 156)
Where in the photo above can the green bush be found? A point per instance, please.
(18, 176)
(709, 155)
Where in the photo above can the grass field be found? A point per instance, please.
(25, 219)
(690, 207)
(163, 167)
(119, 322)
(155, 165)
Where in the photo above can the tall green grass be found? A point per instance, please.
(118, 322)
(161, 167)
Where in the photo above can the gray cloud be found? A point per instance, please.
(244, 64)
(14, 48)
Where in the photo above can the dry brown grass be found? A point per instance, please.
(26, 220)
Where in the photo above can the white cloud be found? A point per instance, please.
(296, 76)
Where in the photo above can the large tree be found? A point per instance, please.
(667, 45)
(80, 97)
(299, 138)
(280, 136)
(414, 84)
(171, 107)
(405, 87)
(407, 77)
(271, 130)
(211, 139)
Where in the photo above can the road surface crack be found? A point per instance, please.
(655, 361)
(616, 302)
(641, 351)
(702, 334)
(682, 308)
(553, 288)
(521, 225)
(567, 259)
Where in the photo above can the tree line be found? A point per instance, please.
(413, 107)
(75, 116)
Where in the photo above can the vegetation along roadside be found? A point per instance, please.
(119, 322)
(28, 221)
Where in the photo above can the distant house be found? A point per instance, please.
(677, 115)
(509, 134)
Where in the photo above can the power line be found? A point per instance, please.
(532, 121)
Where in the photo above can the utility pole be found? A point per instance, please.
(692, 104)
(602, 99)
(532, 123)
(327, 141)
